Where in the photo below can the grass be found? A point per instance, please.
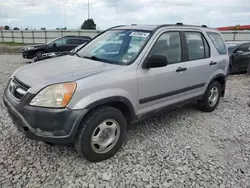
(12, 43)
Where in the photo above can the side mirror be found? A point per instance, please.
(54, 44)
(156, 61)
(239, 52)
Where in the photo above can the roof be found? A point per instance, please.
(138, 27)
(153, 27)
(73, 36)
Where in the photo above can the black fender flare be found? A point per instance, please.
(114, 99)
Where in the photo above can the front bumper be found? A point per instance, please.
(28, 54)
(45, 124)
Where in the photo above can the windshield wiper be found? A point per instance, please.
(95, 58)
(76, 54)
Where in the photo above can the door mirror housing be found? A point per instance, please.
(54, 44)
(156, 61)
(239, 52)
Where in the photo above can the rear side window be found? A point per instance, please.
(74, 41)
(84, 40)
(198, 47)
(218, 42)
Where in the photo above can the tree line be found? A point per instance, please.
(88, 24)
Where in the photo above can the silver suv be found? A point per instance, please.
(124, 74)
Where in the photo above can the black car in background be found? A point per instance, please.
(57, 54)
(62, 44)
(239, 55)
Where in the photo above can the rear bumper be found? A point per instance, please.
(44, 124)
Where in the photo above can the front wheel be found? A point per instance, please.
(102, 134)
(38, 54)
(211, 97)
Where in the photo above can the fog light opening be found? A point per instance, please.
(42, 132)
(26, 129)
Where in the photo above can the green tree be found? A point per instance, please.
(88, 24)
(43, 28)
(6, 27)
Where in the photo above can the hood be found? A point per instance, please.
(34, 46)
(60, 69)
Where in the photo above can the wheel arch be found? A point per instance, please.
(119, 102)
(40, 50)
(221, 78)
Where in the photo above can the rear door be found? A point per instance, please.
(199, 64)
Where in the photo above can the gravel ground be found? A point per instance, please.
(184, 148)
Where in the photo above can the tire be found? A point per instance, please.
(230, 70)
(207, 105)
(104, 116)
(48, 143)
(38, 54)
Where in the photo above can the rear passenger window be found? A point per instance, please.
(198, 47)
(218, 42)
(74, 41)
(169, 45)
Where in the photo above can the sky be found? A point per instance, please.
(108, 13)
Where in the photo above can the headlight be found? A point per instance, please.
(54, 96)
(29, 48)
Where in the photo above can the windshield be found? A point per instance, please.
(119, 47)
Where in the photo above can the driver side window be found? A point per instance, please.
(244, 48)
(168, 45)
(60, 42)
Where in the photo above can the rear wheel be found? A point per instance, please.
(211, 97)
(102, 134)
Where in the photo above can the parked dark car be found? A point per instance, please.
(62, 44)
(239, 55)
(57, 54)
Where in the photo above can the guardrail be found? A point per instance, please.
(44, 36)
(236, 35)
(40, 36)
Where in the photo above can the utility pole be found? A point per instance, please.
(65, 19)
(88, 9)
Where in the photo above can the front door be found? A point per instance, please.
(58, 45)
(240, 61)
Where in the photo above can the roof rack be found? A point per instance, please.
(114, 27)
(179, 23)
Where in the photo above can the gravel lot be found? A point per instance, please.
(184, 148)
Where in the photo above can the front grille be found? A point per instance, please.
(18, 89)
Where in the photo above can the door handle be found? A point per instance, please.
(212, 63)
(180, 69)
